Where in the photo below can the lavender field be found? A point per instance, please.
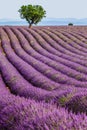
(43, 78)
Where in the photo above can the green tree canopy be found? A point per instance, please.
(32, 13)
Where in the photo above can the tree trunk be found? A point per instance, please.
(30, 25)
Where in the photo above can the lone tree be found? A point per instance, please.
(32, 13)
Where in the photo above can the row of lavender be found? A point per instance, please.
(33, 66)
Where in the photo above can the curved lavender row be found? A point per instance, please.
(41, 52)
(82, 37)
(79, 61)
(26, 41)
(21, 87)
(79, 33)
(46, 36)
(62, 47)
(79, 36)
(36, 63)
(47, 46)
(64, 58)
(78, 41)
(73, 40)
(66, 48)
(62, 67)
(43, 68)
(22, 114)
(50, 49)
(57, 53)
(17, 84)
(33, 76)
(77, 84)
(62, 80)
(69, 57)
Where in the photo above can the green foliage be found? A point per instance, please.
(70, 24)
(32, 13)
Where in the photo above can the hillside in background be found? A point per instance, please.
(46, 21)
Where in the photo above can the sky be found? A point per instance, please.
(54, 8)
